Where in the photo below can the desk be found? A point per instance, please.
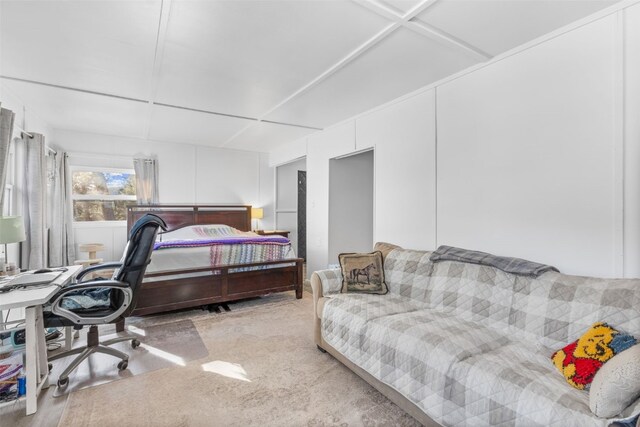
(36, 367)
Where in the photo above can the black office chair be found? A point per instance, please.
(120, 291)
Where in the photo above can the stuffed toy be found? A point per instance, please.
(579, 361)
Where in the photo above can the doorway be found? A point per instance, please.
(290, 205)
(302, 214)
(351, 204)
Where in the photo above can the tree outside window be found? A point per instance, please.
(102, 194)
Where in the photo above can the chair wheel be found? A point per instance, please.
(123, 365)
(62, 382)
(135, 343)
(50, 366)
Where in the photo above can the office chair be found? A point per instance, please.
(119, 302)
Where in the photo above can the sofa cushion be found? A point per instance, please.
(514, 385)
(473, 292)
(555, 308)
(407, 273)
(363, 273)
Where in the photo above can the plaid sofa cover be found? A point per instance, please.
(471, 344)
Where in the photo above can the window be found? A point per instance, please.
(102, 194)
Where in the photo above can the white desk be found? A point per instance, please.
(36, 366)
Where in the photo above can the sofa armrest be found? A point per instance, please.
(325, 283)
(330, 281)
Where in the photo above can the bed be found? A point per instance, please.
(181, 275)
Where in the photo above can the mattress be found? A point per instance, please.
(203, 246)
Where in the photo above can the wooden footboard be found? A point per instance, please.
(176, 289)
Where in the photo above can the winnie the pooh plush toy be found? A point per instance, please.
(579, 361)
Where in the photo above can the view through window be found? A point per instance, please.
(102, 194)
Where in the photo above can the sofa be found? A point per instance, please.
(462, 344)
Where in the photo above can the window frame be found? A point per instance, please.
(103, 197)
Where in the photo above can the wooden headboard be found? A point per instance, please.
(178, 216)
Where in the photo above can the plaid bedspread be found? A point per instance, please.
(471, 344)
(247, 253)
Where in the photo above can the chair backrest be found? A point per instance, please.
(137, 256)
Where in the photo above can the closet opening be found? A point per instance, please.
(351, 204)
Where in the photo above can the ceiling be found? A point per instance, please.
(249, 75)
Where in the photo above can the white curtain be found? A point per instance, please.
(34, 202)
(6, 128)
(146, 181)
(60, 221)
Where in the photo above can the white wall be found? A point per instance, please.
(321, 147)
(404, 137)
(631, 135)
(188, 174)
(350, 204)
(525, 154)
(287, 198)
(535, 154)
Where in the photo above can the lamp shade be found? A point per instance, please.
(257, 213)
(12, 229)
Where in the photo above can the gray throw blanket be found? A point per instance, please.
(517, 266)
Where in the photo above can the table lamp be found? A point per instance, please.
(11, 231)
(257, 214)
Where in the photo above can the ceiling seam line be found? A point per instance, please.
(378, 9)
(418, 9)
(438, 35)
(197, 110)
(376, 39)
(163, 22)
(290, 124)
(91, 92)
(237, 134)
(144, 101)
(381, 35)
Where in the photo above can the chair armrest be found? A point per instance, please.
(58, 310)
(97, 267)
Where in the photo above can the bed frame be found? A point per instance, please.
(171, 290)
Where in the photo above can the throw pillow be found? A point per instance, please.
(579, 361)
(616, 385)
(363, 273)
(385, 248)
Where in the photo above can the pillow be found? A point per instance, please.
(196, 232)
(616, 385)
(580, 361)
(385, 248)
(363, 273)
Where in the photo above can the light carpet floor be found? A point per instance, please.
(263, 369)
(180, 339)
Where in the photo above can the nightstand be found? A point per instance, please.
(282, 233)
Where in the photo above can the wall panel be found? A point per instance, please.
(526, 154)
(632, 142)
(404, 137)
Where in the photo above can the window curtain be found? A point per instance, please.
(146, 181)
(6, 128)
(34, 202)
(60, 221)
